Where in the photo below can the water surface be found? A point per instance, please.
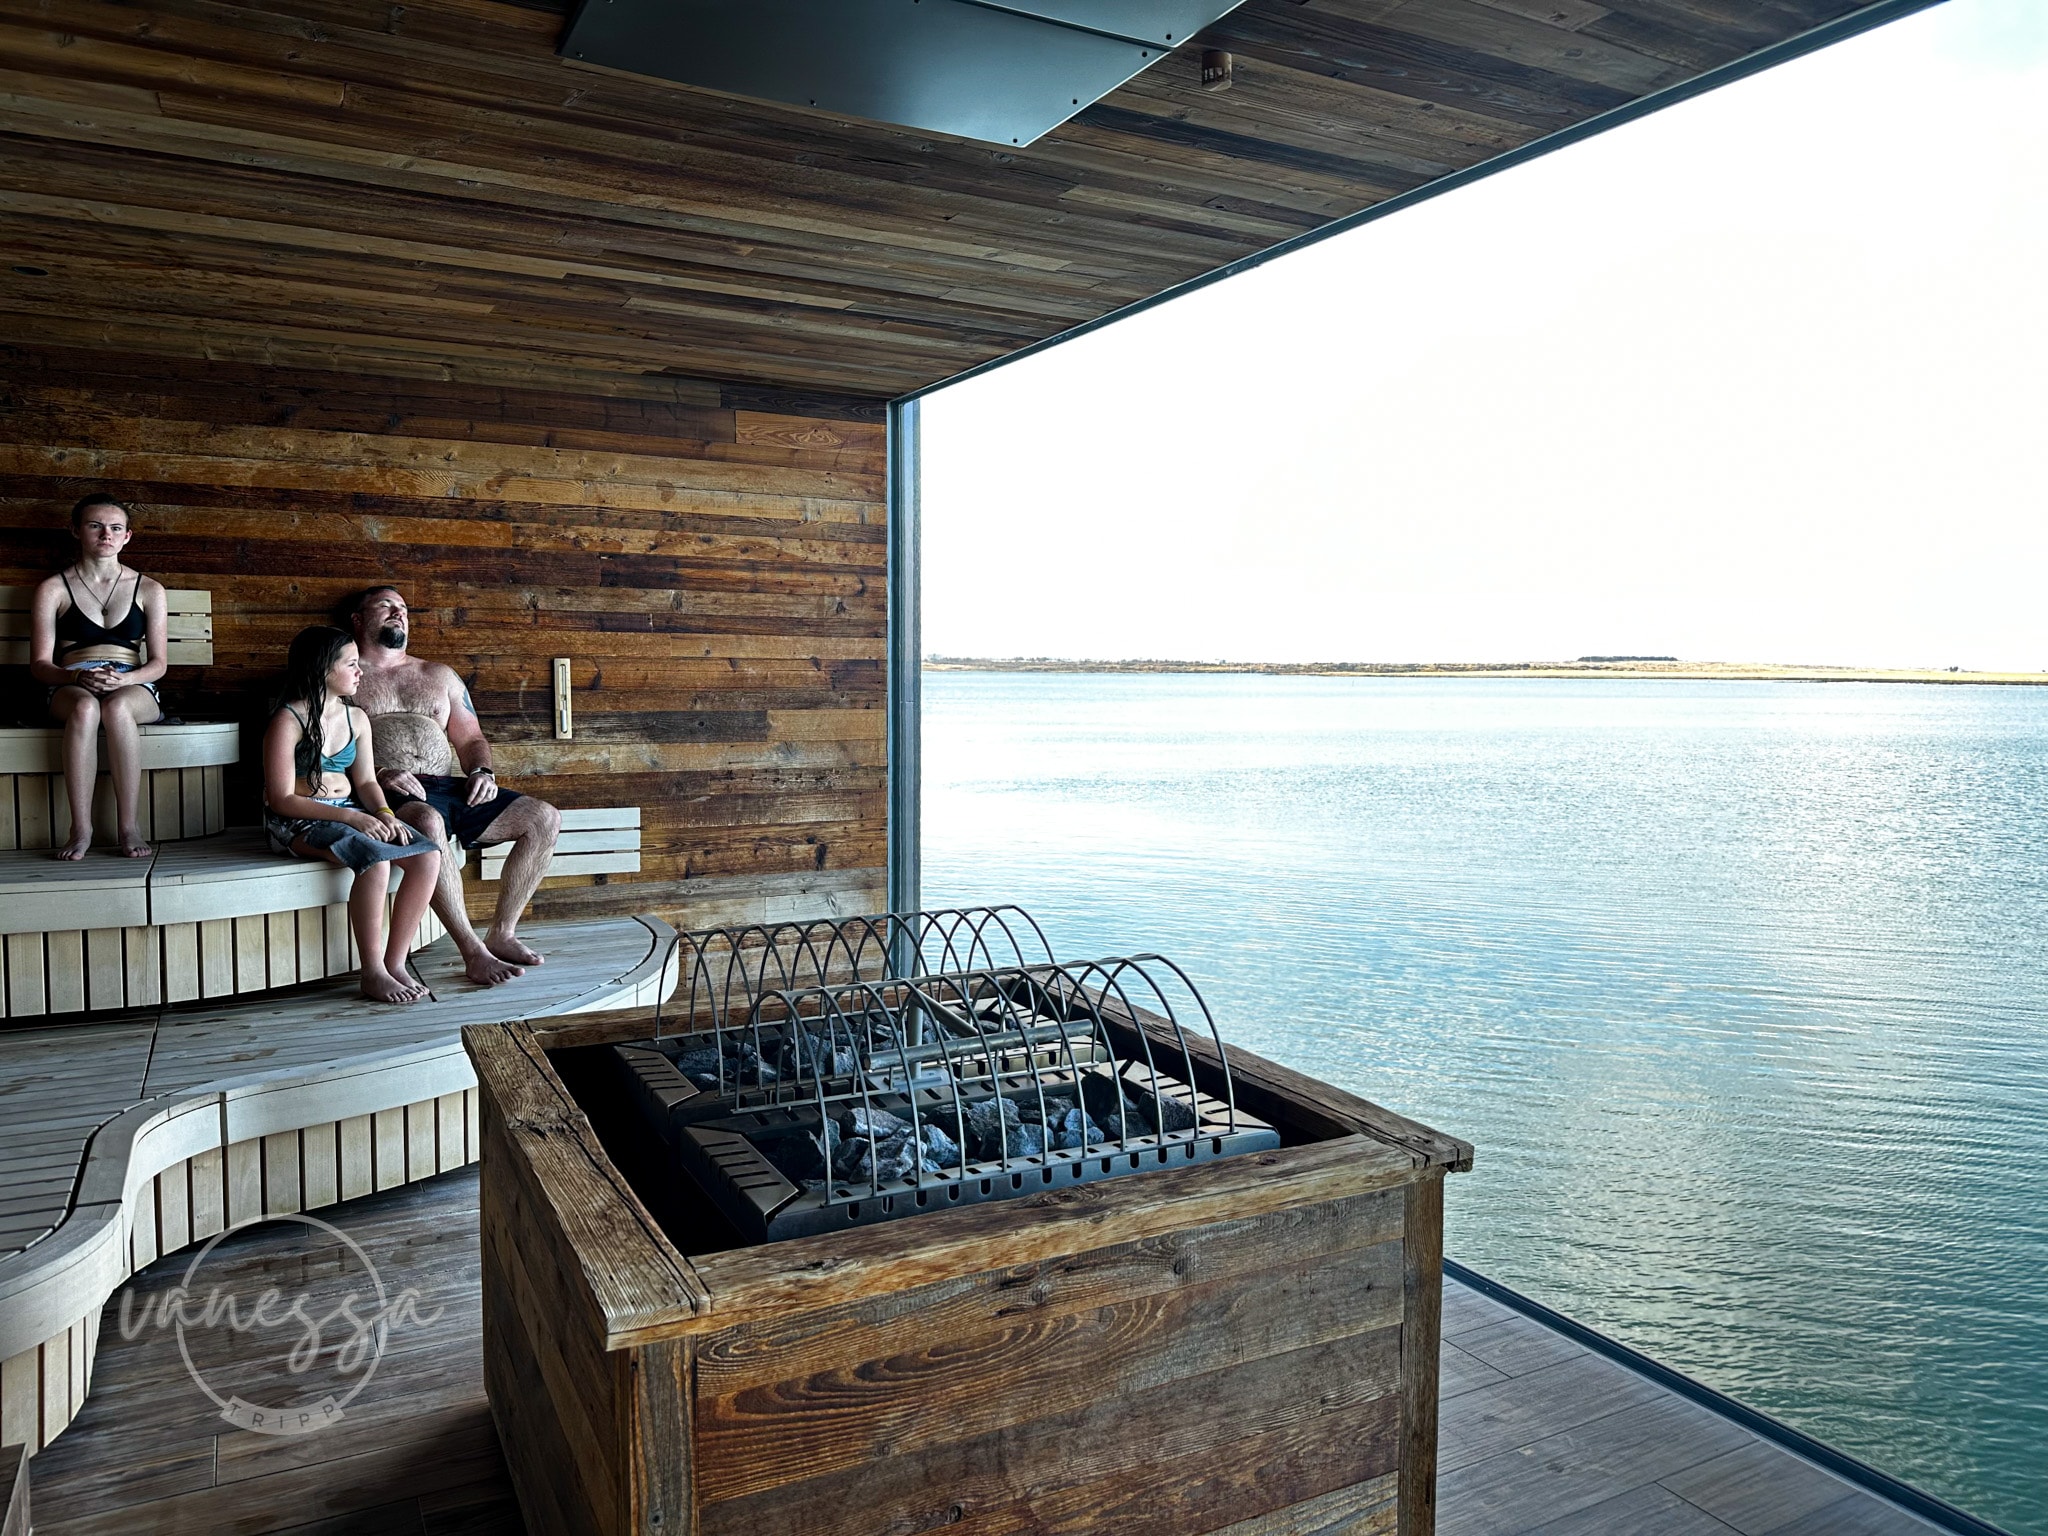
(1738, 988)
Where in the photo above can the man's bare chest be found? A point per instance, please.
(402, 692)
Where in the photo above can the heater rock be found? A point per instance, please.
(699, 1064)
(1165, 1111)
(875, 1124)
(998, 1129)
(1074, 1132)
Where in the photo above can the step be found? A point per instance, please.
(182, 793)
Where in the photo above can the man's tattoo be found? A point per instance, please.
(467, 707)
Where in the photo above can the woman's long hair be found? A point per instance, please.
(306, 665)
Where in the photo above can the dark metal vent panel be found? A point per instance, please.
(1167, 23)
(1002, 73)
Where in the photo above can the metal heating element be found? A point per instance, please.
(843, 1072)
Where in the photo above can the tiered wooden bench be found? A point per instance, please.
(206, 917)
(128, 1138)
(212, 916)
(184, 769)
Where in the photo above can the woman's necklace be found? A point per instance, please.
(99, 597)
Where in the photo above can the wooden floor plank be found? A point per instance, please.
(1562, 1474)
(1757, 1488)
(400, 1519)
(1522, 1409)
(1858, 1514)
(1650, 1510)
(149, 1451)
(1459, 1373)
(1466, 1310)
(1515, 1346)
(468, 1512)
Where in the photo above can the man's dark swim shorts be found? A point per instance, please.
(449, 796)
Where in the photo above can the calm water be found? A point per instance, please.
(1738, 988)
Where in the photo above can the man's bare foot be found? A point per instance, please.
(77, 848)
(487, 970)
(505, 947)
(133, 847)
(382, 987)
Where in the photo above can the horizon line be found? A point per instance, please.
(1611, 665)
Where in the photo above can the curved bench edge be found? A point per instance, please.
(39, 749)
(60, 1282)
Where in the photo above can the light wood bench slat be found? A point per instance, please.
(200, 744)
(601, 841)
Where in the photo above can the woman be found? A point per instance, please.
(321, 801)
(97, 632)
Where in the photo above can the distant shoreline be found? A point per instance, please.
(1691, 671)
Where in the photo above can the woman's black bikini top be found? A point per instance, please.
(75, 631)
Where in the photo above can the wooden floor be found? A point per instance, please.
(1539, 1435)
(60, 1083)
(413, 1453)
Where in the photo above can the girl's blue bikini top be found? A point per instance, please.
(341, 761)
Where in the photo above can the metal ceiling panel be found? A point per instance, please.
(1168, 23)
(980, 71)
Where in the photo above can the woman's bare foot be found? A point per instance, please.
(77, 848)
(383, 987)
(505, 947)
(133, 847)
(487, 970)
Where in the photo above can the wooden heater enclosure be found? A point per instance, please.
(1246, 1346)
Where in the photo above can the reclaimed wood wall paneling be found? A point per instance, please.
(715, 568)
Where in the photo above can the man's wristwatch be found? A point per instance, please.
(487, 768)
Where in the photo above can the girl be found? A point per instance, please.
(321, 800)
(97, 632)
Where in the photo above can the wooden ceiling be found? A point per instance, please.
(423, 189)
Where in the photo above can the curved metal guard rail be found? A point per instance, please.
(727, 968)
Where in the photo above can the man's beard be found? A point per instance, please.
(391, 637)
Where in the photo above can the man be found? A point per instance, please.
(425, 729)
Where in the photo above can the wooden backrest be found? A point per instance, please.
(191, 626)
(593, 842)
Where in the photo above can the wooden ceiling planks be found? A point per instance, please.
(426, 191)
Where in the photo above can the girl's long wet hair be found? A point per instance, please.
(306, 665)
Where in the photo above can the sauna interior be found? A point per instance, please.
(600, 334)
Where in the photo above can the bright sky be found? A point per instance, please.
(1762, 377)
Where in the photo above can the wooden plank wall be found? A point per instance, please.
(712, 558)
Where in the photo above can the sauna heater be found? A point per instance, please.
(834, 1074)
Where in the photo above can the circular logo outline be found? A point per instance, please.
(328, 1410)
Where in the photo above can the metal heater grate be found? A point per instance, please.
(811, 1108)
